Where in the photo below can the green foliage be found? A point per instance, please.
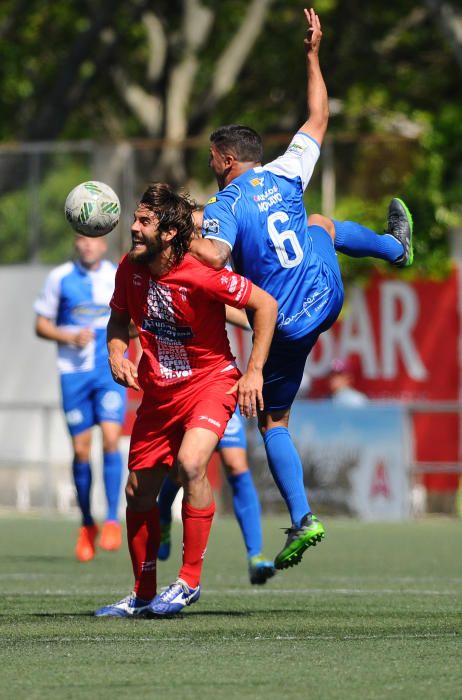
(28, 227)
(389, 68)
(14, 226)
(56, 234)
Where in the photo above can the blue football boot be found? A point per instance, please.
(130, 606)
(173, 599)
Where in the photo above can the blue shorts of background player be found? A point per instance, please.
(246, 505)
(91, 398)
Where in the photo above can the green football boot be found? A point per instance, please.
(400, 226)
(310, 532)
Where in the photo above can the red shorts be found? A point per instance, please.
(159, 427)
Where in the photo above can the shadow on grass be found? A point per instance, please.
(91, 613)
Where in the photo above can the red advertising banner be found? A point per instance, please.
(403, 340)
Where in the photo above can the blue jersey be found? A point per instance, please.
(261, 216)
(75, 298)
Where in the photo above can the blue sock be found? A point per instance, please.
(112, 476)
(165, 500)
(82, 480)
(247, 510)
(360, 242)
(287, 471)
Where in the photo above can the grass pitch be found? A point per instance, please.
(373, 612)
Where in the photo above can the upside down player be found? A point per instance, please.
(259, 217)
(190, 384)
(233, 452)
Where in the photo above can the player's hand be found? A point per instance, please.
(83, 337)
(313, 33)
(124, 372)
(249, 393)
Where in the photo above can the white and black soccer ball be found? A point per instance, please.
(92, 209)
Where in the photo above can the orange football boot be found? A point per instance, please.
(111, 536)
(85, 547)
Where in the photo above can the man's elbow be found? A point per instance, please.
(216, 258)
(271, 307)
(274, 308)
(218, 262)
(320, 120)
(38, 329)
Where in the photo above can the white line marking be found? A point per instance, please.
(276, 638)
(253, 592)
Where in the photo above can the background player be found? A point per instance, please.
(73, 310)
(190, 384)
(340, 381)
(259, 216)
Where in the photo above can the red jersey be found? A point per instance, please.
(180, 317)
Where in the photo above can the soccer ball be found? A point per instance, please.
(92, 209)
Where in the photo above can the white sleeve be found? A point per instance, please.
(47, 303)
(299, 159)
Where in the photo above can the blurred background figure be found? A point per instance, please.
(341, 380)
(73, 310)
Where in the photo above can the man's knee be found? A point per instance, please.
(323, 221)
(132, 492)
(190, 468)
(111, 435)
(267, 420)
(141, 492)
(234, 460)
(111, 445)
(81, 445)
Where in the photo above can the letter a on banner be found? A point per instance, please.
(379, 483)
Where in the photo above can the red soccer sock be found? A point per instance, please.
(143, 534)
(196, 529)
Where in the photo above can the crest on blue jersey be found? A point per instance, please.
(211, 226)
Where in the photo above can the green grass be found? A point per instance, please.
(373, 612)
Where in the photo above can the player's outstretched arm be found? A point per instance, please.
(118, 335)
(317, 99)
(250, 385)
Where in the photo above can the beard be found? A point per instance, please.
(148, 255)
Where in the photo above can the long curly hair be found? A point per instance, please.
(172, 210)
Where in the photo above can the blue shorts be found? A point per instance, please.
(234, 435)
(283, 371)
(90, 398)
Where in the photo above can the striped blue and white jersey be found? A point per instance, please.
(75, 298)
(261, 217)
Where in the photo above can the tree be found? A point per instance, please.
(171, 71)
